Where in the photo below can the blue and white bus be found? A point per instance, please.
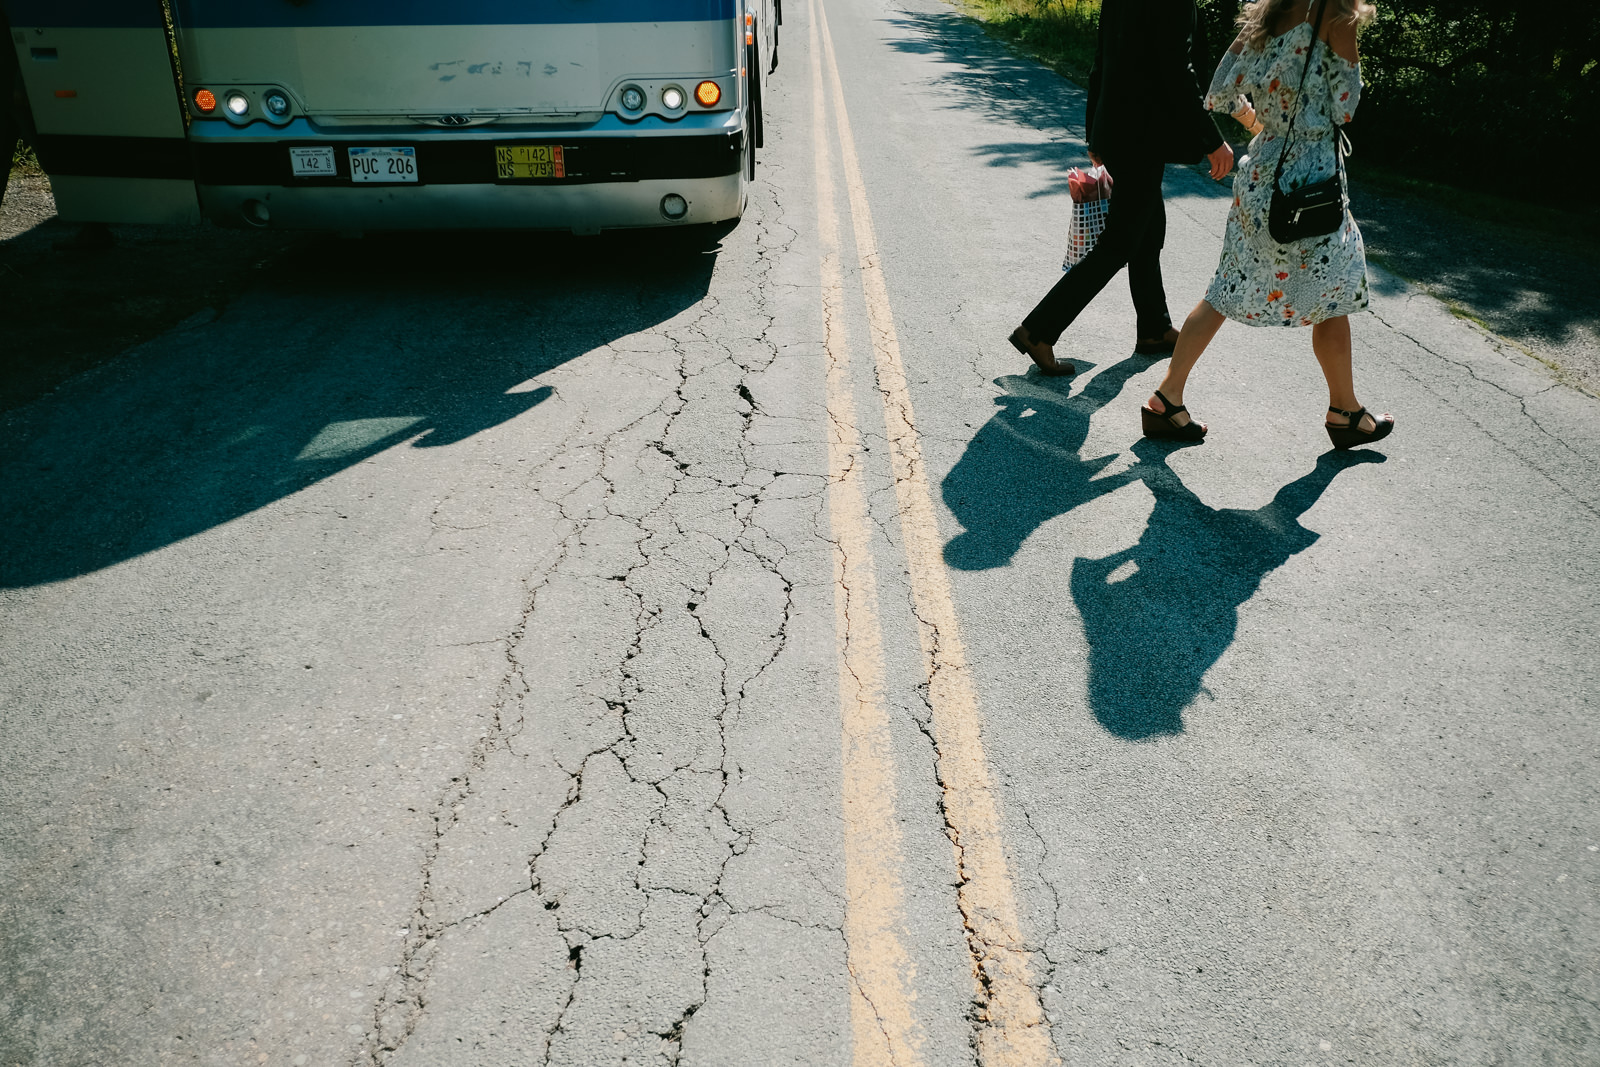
(397, 114)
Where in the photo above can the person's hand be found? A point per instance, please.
(1221, 161)
(1246, 117)
(1094, 159)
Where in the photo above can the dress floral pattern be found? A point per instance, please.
(1260, 282)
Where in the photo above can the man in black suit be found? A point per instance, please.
(1144, 111)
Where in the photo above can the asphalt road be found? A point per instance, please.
(508, 649)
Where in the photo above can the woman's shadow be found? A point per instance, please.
(1157, 615)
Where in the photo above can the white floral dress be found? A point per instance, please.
(1259, 281)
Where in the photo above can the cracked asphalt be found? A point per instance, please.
(721, 649)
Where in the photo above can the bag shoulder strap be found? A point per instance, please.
(1299, 100)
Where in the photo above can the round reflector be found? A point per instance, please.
(708, 93)
(205, 100)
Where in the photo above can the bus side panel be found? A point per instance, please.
(110, 131)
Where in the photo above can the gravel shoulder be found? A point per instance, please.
(1536, 290)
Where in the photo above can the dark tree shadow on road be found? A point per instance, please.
(341, 350)
(983, 75)
(1156, 615)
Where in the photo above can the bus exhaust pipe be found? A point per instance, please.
(256, 214)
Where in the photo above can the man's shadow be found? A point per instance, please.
(1156, 615)
(1022, 468)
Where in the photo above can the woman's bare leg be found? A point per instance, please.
(1330, 340)
(1198, 330)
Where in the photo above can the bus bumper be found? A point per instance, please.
(579, 207)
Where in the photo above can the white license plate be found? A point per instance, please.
(312, 162)
(383, 164)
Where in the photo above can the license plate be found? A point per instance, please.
(383, 164)
(312, 162)
(529, 161)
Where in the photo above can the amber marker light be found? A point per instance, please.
(205, 100)
(749, 28)
(708, 93)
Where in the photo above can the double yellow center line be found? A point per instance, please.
(1012, 1029)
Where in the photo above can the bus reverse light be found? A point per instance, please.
(238, 103)
(205, 100)
(672, 98)
(708, 93)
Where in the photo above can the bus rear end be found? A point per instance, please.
(558, 114)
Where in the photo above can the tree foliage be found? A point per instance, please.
(1457, 87)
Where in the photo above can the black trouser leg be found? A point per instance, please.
(1135, 226)
(1144, 279)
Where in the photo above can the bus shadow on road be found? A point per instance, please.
(1157, 615)
(339, 350)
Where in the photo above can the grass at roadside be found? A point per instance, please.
(1058, 33)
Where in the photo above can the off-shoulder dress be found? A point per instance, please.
(1259, 281)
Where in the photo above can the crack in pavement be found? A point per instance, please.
(660, 536)
(1469, 417)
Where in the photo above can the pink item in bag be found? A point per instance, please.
(1090, 185)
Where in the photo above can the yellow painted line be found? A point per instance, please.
(884, 1028)
(1012, 1029)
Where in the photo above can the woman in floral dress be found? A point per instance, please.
(1317, 282)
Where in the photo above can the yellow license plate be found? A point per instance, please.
(529, 161)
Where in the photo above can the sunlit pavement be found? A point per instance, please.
(649, 651)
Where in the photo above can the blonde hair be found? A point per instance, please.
(1258, 17)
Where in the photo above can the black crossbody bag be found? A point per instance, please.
(1314, 210)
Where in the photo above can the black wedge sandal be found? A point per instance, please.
(1159, 424)
(1351, 435)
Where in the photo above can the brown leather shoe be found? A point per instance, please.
(1043, 355)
